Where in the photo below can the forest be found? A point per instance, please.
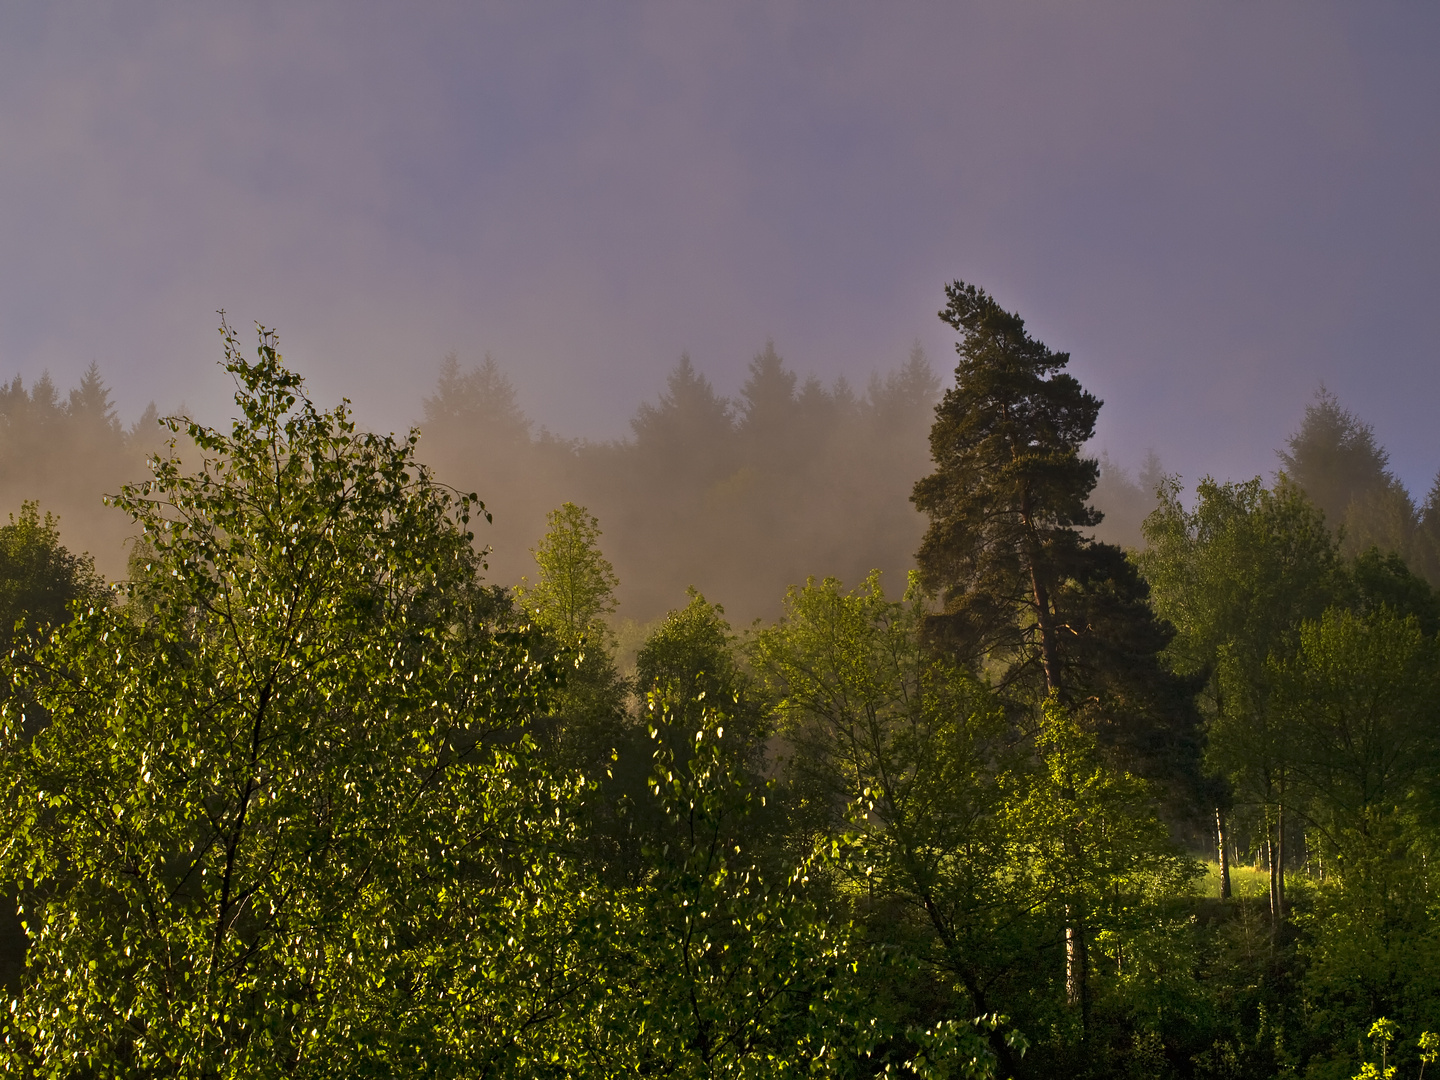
(823, 732)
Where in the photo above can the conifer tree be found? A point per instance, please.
(1024, 594)
(1336, 460)
(1008, 493)
(478, 407)
(768, 396)
(686, 437)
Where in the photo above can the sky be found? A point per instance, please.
(1213, 207)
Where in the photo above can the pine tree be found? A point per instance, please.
(1426, 553)
(1024, 595)
(1008, 493)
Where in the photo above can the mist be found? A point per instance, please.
(737, 498)
(66, 452)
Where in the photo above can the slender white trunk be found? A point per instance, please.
(1224, 849)
(1076, 958)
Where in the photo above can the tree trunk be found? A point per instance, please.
(1280, 861)
(1270, 863)
(1049, 654)
(1077, 989)
(1275, 855)
(1221, 842)
(1049, 649)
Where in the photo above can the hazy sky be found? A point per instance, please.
(1212, 206)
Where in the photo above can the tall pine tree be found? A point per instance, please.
(1024, 595)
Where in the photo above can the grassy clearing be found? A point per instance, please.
(1245, 881)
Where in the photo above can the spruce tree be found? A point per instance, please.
(1335, 459)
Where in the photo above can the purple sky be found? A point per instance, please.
(1212, 206)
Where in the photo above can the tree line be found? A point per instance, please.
(737, 498)
(303, 794)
